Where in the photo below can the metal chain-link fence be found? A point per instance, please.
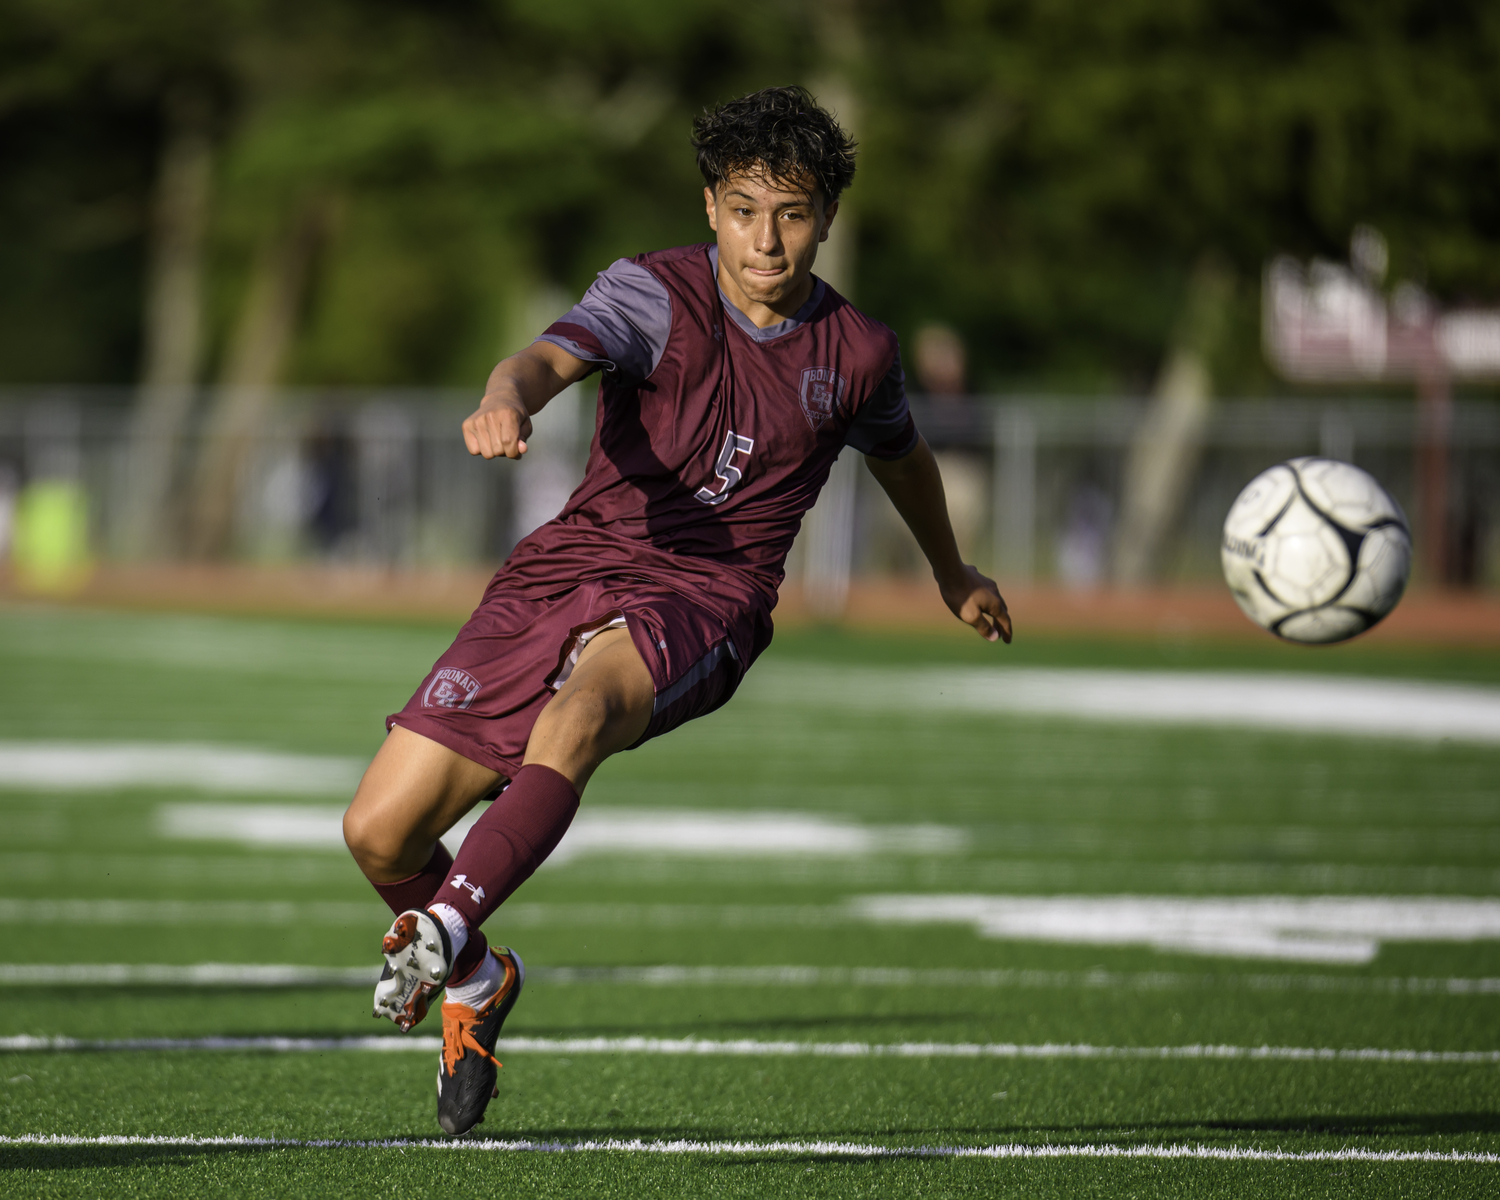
(382, 478)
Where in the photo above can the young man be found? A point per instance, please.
(732, 378)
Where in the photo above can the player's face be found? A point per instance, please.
(769, 233)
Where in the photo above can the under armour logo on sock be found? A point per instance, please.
(462, 881)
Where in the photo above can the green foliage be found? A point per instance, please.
(1045, 175)
(1042, 175)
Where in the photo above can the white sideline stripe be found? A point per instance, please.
(276, 975)
(192, 912)
(1299, 703)
(1325, 929)
(86, 766)
(816, 1149)
(613, 831)
(205, 975)
(517, 916)
(753, 1048)
(1296, 702)
(1344, 930)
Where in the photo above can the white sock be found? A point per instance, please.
(480, 986)
(453, 921)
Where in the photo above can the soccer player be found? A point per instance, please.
(732, 377)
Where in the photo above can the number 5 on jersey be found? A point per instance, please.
(724, 469)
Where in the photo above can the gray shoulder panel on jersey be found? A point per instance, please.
(628, 311)
(884, 416)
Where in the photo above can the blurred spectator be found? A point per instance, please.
(1083, 549)
(940, 364)
(330, 485)
(9, 483)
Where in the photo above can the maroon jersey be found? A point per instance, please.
(712, 438)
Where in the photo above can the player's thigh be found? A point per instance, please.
(604, 706)
(412, 793)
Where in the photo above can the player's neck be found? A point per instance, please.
(761, 313)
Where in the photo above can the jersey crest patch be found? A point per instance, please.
(450, 688)
(822, 391)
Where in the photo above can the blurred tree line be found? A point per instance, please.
(364, 192)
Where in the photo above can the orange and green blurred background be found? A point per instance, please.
(257, 258)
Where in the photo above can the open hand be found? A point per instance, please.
(497, 429)
(976, 601)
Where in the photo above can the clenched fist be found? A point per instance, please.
(498, 428)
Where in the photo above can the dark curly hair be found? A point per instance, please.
(780, 133)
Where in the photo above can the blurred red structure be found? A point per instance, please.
(1331, 323)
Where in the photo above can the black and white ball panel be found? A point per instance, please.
(1315, 550)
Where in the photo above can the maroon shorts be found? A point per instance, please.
(484, 694)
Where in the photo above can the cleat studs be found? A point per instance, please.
(436, 973)
(431, 948)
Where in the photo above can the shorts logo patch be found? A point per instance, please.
(821, 392)
(450, 688)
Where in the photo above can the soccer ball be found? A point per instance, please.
(1315, 550)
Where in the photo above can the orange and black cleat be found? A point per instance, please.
(466, 1075)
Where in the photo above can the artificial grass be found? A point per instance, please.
(1044, 806)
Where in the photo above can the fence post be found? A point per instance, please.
(386, 441)
(1014, 524)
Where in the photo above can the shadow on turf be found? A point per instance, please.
(677, 1029)
(1353, 1125)
(88, 1158)
(680, 1028)
(1398, 1125)
(1387, 1125)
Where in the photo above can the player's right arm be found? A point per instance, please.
(518, 388)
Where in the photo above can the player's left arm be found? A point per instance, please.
(916, 489)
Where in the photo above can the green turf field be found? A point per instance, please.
(725, 1021)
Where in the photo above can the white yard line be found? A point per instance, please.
(191, 975)
(1297, 703)
(516, 916)
(614, 831)
(754, 1048)
(188, 865)
(294, 975)
(1347, 930)
(1322, 929)
(88, 766)
(192, 912)
(1294, 702)
(803, 1149)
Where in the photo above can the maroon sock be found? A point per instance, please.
(510, 841)
(469, 957)
(416, 891)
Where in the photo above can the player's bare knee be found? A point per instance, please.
(374, 845)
